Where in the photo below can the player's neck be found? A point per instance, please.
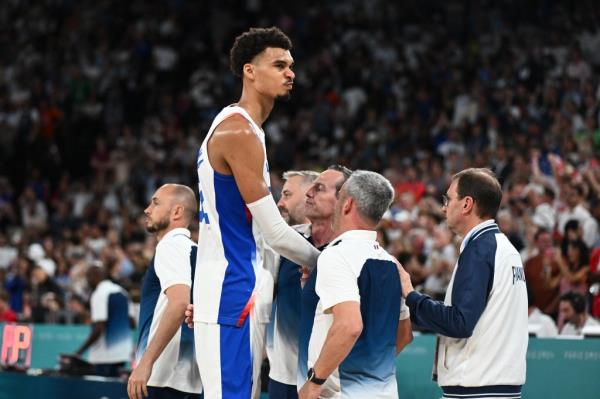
(258, 107)
(321, 232)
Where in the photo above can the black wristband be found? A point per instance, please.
(312, 377)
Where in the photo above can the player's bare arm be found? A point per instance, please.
(234, 149)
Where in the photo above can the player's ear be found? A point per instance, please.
(248, 70)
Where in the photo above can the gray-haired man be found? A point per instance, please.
(360, 322)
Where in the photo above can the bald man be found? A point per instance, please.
(166, 364)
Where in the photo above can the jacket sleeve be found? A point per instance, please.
(472, 284)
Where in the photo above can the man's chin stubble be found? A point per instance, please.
(284, 98)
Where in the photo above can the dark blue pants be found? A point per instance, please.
(170, 393)
(278, 390)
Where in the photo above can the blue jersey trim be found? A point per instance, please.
(239, 248)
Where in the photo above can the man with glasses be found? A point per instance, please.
(482, 323)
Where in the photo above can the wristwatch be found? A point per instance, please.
(312, 377)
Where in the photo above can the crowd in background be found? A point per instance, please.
(103, 101)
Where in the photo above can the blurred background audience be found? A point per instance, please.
(101, 102)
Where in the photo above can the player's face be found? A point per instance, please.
(293, 200)
(273, 75)
(544, 241)
(321, 196)
(158, 211)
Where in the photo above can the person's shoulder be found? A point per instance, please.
(332, 250)
(234, 126)
(484, 247)
(174, 245)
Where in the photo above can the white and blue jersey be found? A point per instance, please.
(482, 324)
(173, 263)
(230, 246)
(109, 303)
(354, 268)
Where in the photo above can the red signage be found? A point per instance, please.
(16, 345)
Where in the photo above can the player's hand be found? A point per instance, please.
(309, 391)
(189, 315)
(405, 282)
(136, 386)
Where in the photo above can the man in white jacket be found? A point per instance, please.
(482, 324)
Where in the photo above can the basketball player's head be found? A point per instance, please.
(292, 202)
(171, 206)
(261, 58)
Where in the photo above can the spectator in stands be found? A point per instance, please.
(573, 310)
(574, 199)
(574, 269)
(540, 270)
(6, 313)
(16, 283)
(539, 323)
(46, 296)
(8, 252)
(541, 200)
(75, 312)
(440, 264)
(141, 97)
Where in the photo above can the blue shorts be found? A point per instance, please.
(224, 356)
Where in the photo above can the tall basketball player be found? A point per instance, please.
(238, 215)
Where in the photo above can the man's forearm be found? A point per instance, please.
(341, 337)
(167, 327)
(281, 237)
(97, 329)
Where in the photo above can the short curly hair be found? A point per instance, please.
(251, 43)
